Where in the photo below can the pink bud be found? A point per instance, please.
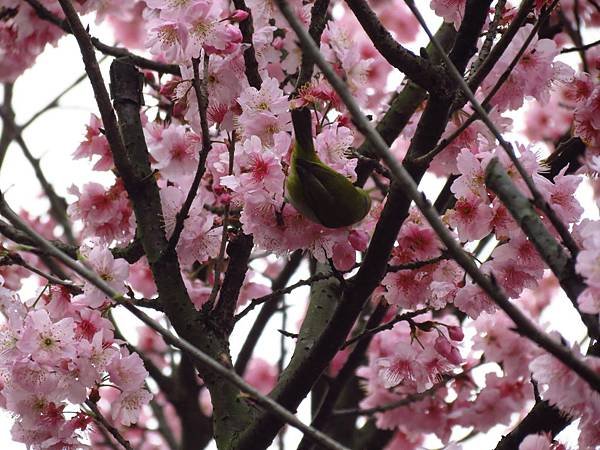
(443, 346)
(239, 15)
(454, 356)
(358, 240)
(278, 43)
(456, 333)
(168, 89)
(447, 350)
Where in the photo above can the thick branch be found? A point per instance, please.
(402, 177)
(550, 250)
(543, 418)
(420, 70)
(318, 20)
(238, 250)
(247, 29)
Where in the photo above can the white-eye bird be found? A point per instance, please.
(317, 191)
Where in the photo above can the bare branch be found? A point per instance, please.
(266, 312)
(386, 326)
(318, 20)
(58, 205)
(201, 91)
(250, 62)
(278, 293)
(99, 418)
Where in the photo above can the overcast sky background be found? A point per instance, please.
(56, 135)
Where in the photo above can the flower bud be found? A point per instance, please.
(455, 333)
(239, 15)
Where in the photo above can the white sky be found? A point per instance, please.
(55, 136)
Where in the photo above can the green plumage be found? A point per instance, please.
(320, 193)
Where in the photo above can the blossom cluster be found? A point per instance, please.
(457, 363)
(59, 352)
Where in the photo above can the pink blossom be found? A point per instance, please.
(128, 371)
(106, 213)
(126, 409)
(473, 301)
(450, 10)
(141, 278)
(113, 271)
(536, 442)
(261, 375)
(265, 112)
(95, 144)
(401, 366)
(168, 38)
(47, 341)
(471, 217)
(177, 152)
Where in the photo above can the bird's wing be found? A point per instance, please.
(321, 200)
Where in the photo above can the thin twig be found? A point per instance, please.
(58, 205)
(265, 298)
(221, 257)
(117, 52)
(522, 324)
(583, 47)
(414, 265)
(385, 326)
(15, 259)
(54, 102)
(410, 398)
(99, 418)
(201, 91)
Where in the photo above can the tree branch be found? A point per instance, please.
(266, 312)
(117, 52)
(549, 249)
(318, 20)
(250, 62)
(200, 357)
(99, 418)
(280, 292)
(386, 326)
(404, 180)
(420, 70)
(58, 205)
(542, 418)
(201, 91)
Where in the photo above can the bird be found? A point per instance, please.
(318, 192)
